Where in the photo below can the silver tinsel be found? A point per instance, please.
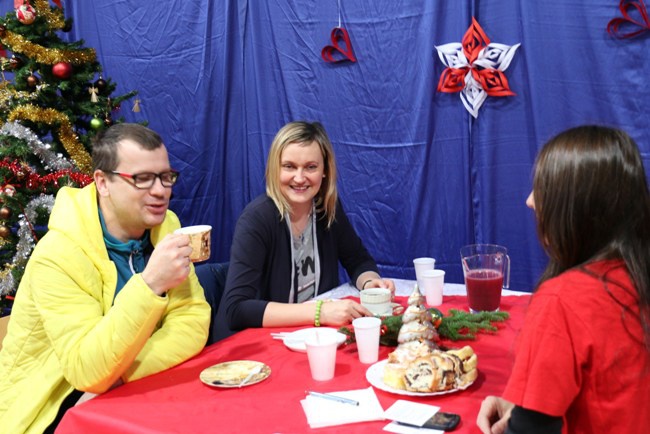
(51, 161)
(26, 240)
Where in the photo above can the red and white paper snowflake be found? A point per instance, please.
(475, 68)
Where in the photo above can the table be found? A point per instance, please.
(176, 401)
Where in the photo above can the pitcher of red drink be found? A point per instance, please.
(486, 268)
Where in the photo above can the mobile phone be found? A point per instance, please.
(443, 421)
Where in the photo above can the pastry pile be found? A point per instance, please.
(417, 364)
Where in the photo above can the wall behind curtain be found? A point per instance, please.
(418, 175)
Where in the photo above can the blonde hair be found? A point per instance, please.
(303, 133)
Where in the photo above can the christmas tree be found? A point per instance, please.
(53, 100)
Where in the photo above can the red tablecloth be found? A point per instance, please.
(176, 401)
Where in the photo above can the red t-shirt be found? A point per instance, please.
(581, 353)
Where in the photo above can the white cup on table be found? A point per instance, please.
(376, 300)
(366, 333)
(432, 284)
(420, 265)
(321, 352)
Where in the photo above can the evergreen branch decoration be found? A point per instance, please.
(462, 325)
(457, 325)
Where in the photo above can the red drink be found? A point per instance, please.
(484, 289)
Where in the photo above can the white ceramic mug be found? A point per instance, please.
(376, 300)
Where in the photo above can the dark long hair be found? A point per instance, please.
(592, 202)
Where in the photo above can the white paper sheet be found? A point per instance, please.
(323, 412)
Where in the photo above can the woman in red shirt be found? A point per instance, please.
(583, 356)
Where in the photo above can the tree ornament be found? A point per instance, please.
(62, 70)
(100, 84)
(9, 190)
(136, 106)
(32, 81)
(95, 123)
(5, 232)
(5, 213)
(108, 121)
(26, 13)
(15, 62)
(92, 90)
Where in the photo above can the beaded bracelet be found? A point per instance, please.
(319, 304)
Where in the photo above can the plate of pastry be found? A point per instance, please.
(424, 376)
(237, 373)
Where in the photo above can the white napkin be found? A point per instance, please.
(323, 412)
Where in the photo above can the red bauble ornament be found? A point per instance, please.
(62, 70)
(26, 13)
(15, 62)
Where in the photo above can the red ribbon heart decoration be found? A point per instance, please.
(339, 36)
(616, 25)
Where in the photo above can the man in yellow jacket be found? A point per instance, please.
(109, 294)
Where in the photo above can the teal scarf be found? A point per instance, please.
(128, 257)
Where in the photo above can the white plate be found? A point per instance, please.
(231, 374)
(296, 340)
(375, 376)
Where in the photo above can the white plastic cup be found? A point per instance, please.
(199, 240)
(432, 283)
(321, 352)
(366, 333)
(376, 300)
(420, 265)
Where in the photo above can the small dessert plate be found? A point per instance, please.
(235, 373)
(295, 341)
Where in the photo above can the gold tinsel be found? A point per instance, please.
(8, 94)
(67, 136)
(54, 17)
(48, 56)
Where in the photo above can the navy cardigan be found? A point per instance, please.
(260, 262)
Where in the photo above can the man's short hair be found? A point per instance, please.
(105, 143)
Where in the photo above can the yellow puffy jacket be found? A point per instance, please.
(65, 330)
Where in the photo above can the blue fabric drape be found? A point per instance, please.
(418, 175)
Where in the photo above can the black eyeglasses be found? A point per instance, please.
(145, 180)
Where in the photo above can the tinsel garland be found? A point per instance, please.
(50, 160)
(54, 18)
(33, 180)
(75, 149)
(9, 95)
(25, 243)
(47, 56)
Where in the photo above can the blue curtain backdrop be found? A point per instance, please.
(418, 175)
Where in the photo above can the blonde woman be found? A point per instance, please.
(288, 242)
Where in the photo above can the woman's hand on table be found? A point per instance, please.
(341, 312)
(494, 415)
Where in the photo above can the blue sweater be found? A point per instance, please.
(260, 262)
